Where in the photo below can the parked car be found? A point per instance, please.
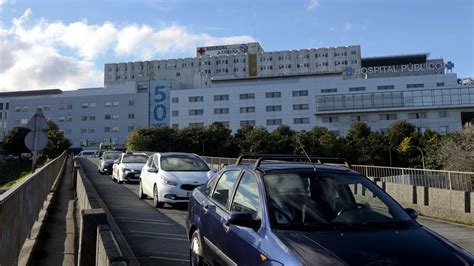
(128, 166)
(170, 177)
(282, 213)
(87, 154)
(107, 161)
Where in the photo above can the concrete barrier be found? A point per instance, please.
(98, 243)
(22, 205)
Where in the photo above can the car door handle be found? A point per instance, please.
(226, 226)
(205, 208)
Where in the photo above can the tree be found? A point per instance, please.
(218, 141)
(152, 139)
(14, 141)
(57, 143)
(456, 151)
(252, 139)
(282, 140)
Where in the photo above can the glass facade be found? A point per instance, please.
(396, 99)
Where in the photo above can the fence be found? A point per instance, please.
(452, 180)
(20, 206)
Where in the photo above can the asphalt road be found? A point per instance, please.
(157, 236)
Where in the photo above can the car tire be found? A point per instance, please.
(156, 198)
(141, 195)
(195, 249)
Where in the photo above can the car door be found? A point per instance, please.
(145, 176)
(214, 216)
(242, 243)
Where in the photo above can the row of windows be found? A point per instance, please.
(7, 106)
(242, 96)
(250, 109)
(377, 100)
(382, 87)
(269, 122)
(64, 106)
(362, 118)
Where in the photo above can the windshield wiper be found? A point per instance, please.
(312, 226)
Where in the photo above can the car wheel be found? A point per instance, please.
(141, 195)
(195, 250)
(156, 198)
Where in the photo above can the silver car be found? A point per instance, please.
(171, 177)
(107, 161)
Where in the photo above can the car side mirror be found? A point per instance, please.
(245, 219)
(412, 213)
(152, 170)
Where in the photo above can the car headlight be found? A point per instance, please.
(168, 182)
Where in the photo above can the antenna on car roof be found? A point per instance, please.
(306, 154)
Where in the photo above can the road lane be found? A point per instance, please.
(156, 236)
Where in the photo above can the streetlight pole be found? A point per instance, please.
(422, 156)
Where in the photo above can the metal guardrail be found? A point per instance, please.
(20, 206)
(452, 180)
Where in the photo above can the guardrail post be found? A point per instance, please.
(467, 201)
(91, 219)
(449, 180)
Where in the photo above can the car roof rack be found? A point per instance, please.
(314, 159)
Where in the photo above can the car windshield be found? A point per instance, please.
(134, 159)
(181, 163)
(88, 153)
(308, 199)
(111, 155)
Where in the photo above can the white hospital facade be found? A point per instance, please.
(241, 84)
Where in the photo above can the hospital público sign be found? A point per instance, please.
(222, 50)
(434, 66)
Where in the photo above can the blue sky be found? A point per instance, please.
(64, 44)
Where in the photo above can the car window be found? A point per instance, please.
(224, 187)
(329, 198)
(149, 163)
(111, 156)
(134, 159)
(246, 197)
(181, 163)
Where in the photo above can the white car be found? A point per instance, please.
(128, 167)
(171, 177)
(87, 154)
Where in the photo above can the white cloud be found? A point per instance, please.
(2, 2)
(34, 53)
(311, 4)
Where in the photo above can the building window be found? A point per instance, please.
(443, 129)
(91, 130)
(301, 106)
(175, 100)
(142, 89)
(84, 117)
(1, 106)
(328, 90)
(115, 129)
(388, 116)
(221, 110)
(386, 87)
(300, 93)
(247, 96)
(357, 89)
(115, 103)
(175, 113)
(85, 105)
(416, 115)
(108, 104)
(131, 103)
(131, 128)
(303, 120)
(250, 109)
(175, 126)
(247, 123)
(274, 122)
(275, 94)
(198, 124)
(7, 105)
(92, 117)
(18, 109)
(221, 98)
(115, 116)
(273, 108)
(440, 84)
(107, 116)
(196, 112)
(68, 118)
(359, 118)
(443, 114)
(131, 116)
(106, 129)
(330, 119)
(83, 130)
(194, 99)
(62, 118)
(47, 108)
(415, 85)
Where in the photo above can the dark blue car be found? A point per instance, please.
(285, 213)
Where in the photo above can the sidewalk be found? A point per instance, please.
(57, 243)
